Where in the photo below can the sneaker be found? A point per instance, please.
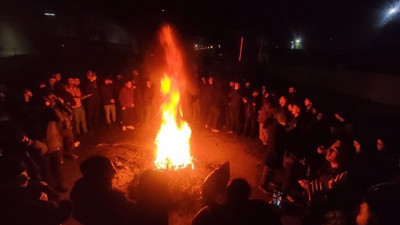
(123, 128)
(230, 132)
(130, 127)
(76, 144)
(214, 130)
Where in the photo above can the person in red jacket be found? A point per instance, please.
(127, 103)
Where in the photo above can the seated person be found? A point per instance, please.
(327, 193)
(94, 199)
(23, 202)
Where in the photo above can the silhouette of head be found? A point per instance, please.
(153, 188)
(98, 169)
(238, 192)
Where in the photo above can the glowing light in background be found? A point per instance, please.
(49, 14)
(388, 13)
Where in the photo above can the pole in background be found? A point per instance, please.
(241, 48)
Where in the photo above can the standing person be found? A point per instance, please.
(118, 85)
(252, 106)
(148, 95)
(236, 106)
(52, 158)
(247, 89)
(107, 97)
(228, 113)
(203, 99)
(137, 81)
(58, 86)
(93, 100)
(207, 96)
(78, 110)
(275, 150)
(127, 102)
(215, 108)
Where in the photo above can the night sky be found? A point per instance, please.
(345, 23)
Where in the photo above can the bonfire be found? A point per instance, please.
(173, 138)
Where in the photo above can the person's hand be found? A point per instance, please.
(303, 183)
(60, 100)
(321, 149)
(112, 101)
(339, 179)
(43, 197)
(123, 108)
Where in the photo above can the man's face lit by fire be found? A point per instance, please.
(28, 94)
(320, 116)
(254, 94)
(77, 82)
(52, 81)
(282, 101)
(211, 80)
(237, 86)
(292, 90)
(58, 76)
(89, 74)
(380, 145)
(70, 81)
(307, 102)
(247, 84)
(231, 84)
(129, 84)
(295, 110)
(23, 179)
(135, 73)
(332, 155)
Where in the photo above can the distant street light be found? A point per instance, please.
(298, 41)
(49, 14)
(392, 11)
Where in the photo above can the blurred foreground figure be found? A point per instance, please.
(213, 194)
(151, 207)
(26, 202)
(94, 199)
(381, 206)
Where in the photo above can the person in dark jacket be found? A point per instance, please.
(215, 108)
(95, 201)
(275, 150)
(93, 100)
(148, 95)
(107, 97)
(54, 141)
(251, 108)
(127, 102)
(207, 98)
(236, 107)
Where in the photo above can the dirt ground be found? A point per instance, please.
(133, 152)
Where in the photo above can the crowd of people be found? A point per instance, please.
(323, 161)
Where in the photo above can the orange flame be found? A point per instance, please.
(173, 138)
